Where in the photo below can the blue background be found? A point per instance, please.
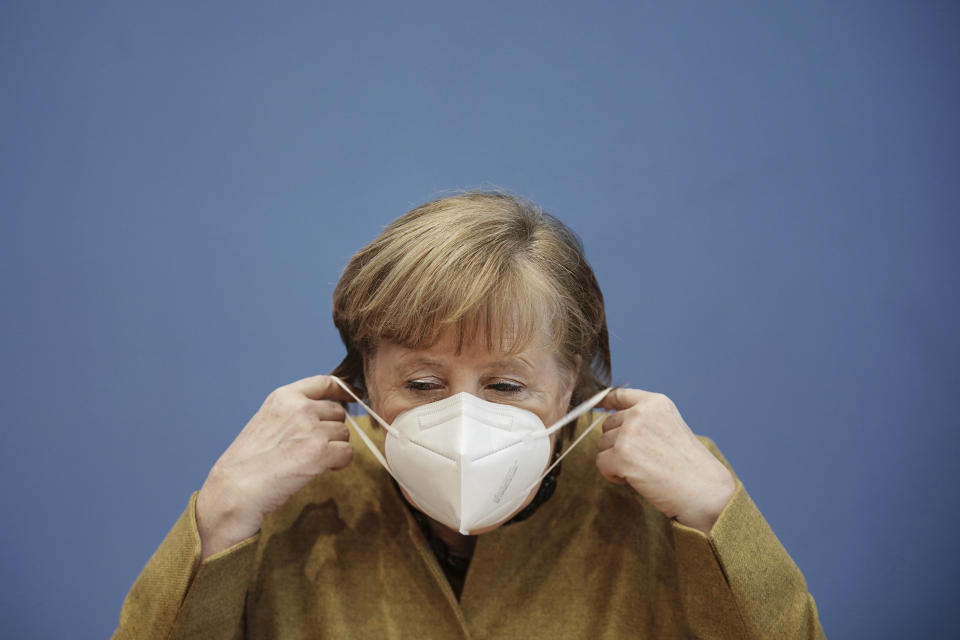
(768, 194)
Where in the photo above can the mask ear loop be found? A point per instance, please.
(363, 436)
(597, 421)
(581, 409)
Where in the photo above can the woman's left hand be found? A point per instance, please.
(648, 445)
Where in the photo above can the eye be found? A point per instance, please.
(506, 387)
(422, 385)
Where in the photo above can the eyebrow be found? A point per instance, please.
(425, 361)
(420, 361)
(512, 361)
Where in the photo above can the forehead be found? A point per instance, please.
(451, 350)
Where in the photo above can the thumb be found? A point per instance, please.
(323, 387)
(621, 398)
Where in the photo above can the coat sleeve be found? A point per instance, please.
(739, 582)
(179, 596)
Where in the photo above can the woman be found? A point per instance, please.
(471, 324)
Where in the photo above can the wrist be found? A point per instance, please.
(221, 522)
(705, 513)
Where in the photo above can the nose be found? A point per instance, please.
(465, 382)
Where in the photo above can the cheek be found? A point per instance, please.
(392, 403)
(378, 391)
(550, 417)
(561, 405)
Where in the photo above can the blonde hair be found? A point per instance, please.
(491, 264)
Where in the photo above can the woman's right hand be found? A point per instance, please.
(298, 433)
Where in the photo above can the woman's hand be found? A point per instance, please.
(648, 445)
(299, 432)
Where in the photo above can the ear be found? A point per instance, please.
(367, 382)
(575, 382)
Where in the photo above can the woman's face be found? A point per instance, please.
(399, 379)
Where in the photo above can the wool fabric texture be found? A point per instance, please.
(344, 558)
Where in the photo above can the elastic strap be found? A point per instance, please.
(578, 411)
(346, 387)
(363, 436)
(533, 484)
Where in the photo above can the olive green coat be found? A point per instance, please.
(343, 558)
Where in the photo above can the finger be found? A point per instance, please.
(321, 388)
(310, 455)
(328, 411)
(607, 440)
(613, 421)
(608, 465)
(621, 398)
(335, 431)
(338, 455)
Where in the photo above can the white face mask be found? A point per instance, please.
(465, 462)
